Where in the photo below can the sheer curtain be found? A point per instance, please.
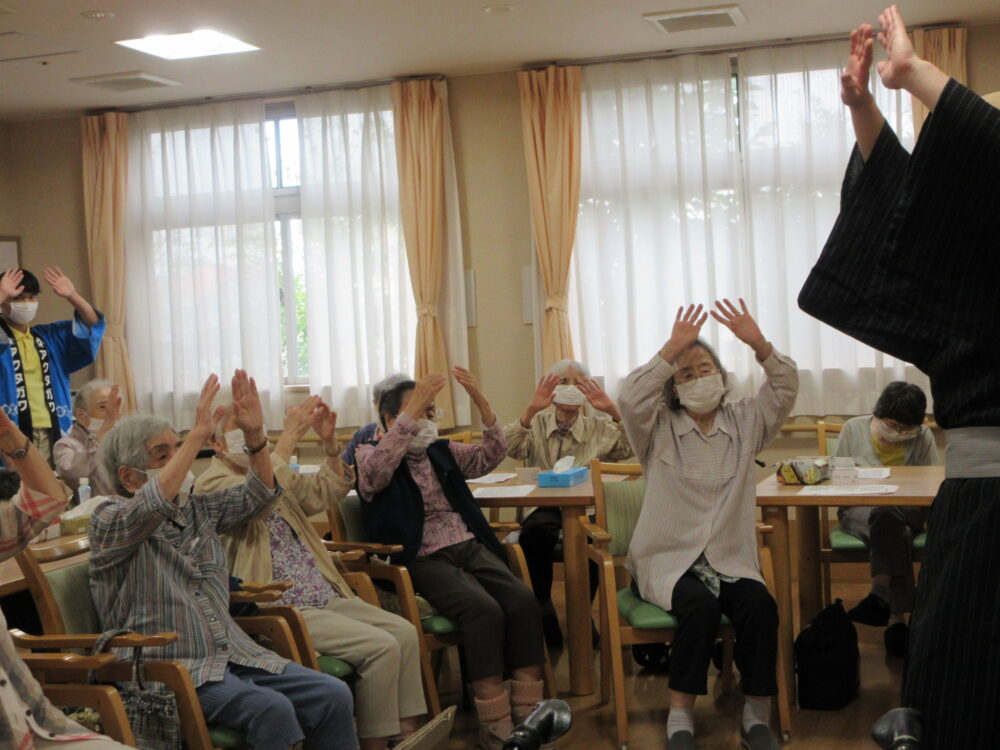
(362, 317)
(699, 184)
(202, 285)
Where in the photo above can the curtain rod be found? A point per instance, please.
(782, 42)
(269, 96)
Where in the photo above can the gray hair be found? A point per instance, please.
(83, 396)
(125, 445)
(390, 381)
(560, 367)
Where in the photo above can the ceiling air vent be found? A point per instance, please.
(134, 80)
(692, 19)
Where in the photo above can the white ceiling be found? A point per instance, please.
(315, 42)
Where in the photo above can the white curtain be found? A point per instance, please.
(202, 286)
(699, 184)
(361, 313)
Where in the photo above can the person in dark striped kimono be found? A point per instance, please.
(911, 268)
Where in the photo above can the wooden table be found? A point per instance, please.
(573, 502)
(918, 485)
(11, 580)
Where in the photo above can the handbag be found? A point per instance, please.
(827, 661)
(151, 713)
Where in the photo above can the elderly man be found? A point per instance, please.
(97, 408)
(27, 720)
(281, 544)
(158, 564)
(555, 425)
(36, 361)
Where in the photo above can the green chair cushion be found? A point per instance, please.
(334, 667)
(226, 738)
(623, 504)
(438, 625)
(645, 616)
(920, 540)
(841, 541)
(71, 589)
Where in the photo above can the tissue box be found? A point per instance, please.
(563, 478)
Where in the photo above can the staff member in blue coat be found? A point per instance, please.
(36, 361)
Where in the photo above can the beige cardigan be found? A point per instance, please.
(249, 546)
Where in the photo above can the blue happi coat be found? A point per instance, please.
(71, 346)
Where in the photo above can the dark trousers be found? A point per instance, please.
(539, 536)
(754, 615)
(497, 614)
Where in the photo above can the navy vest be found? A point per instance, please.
(396, 514)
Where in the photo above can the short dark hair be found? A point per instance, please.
(391, 401)
(10, 483)
(30, 283)
(903, 402)
(668, 389)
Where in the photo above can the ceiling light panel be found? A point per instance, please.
(693, 19)
(198, 43)
(134, 80)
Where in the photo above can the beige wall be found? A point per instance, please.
(496, 232)
(983, 58)
(8, 216)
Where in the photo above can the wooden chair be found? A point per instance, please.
(104, 699)
(69, 621)
(626, 619)
(843, 547)
(438, 632)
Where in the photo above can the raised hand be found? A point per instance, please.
(743, 326)
(854, 80)
(247, 411)
(423, 395)
(113, 412)
(10, 284)
(544, 392)
(598, 398)
(469, 382)
(299, 418)
(205, 418)
(687, 326)
(59, 282)
(325, 424)
(898, 69)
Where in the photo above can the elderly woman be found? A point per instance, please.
(893, 435)
(96, 409)
(694, 550)
(371, 430)
(414, 493)
(554, 425)
(282, 544)
(158, 564)
(27, 719)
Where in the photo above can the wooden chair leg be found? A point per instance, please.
(551, 689)
(605, 655)
(827, 585)
(427, 672)
(784, 699)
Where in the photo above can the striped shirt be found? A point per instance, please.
(543, 443)
(700, 497)
(156, 567)
(25, 713)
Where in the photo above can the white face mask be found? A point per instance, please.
(95, 425)
(187, 484)
(569, 395)
(702, 395)
(234, 442)
(427, 435)
(889, 435)
(22, 313)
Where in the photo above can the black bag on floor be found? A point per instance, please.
(827, 661)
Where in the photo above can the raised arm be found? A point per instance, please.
(855, 94)
(641, 397)
(10, 284)
(64, 287)
(477, 460)
(903, 69)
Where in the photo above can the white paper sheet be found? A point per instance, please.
(849, 489)
(492, 478)
(512, 490)
(879, 472)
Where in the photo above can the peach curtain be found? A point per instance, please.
(105, 178)
(550, 120)
(420, 110)
(945, 48)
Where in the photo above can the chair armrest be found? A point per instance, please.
(248, 597)
(504, 527)
(277, 631)
(595, 534)
(260, 588)
(87, 640)
(104, 699)
(351, 556)
(67, 661)
(361, 584)
(763, 528)
(366, 547)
